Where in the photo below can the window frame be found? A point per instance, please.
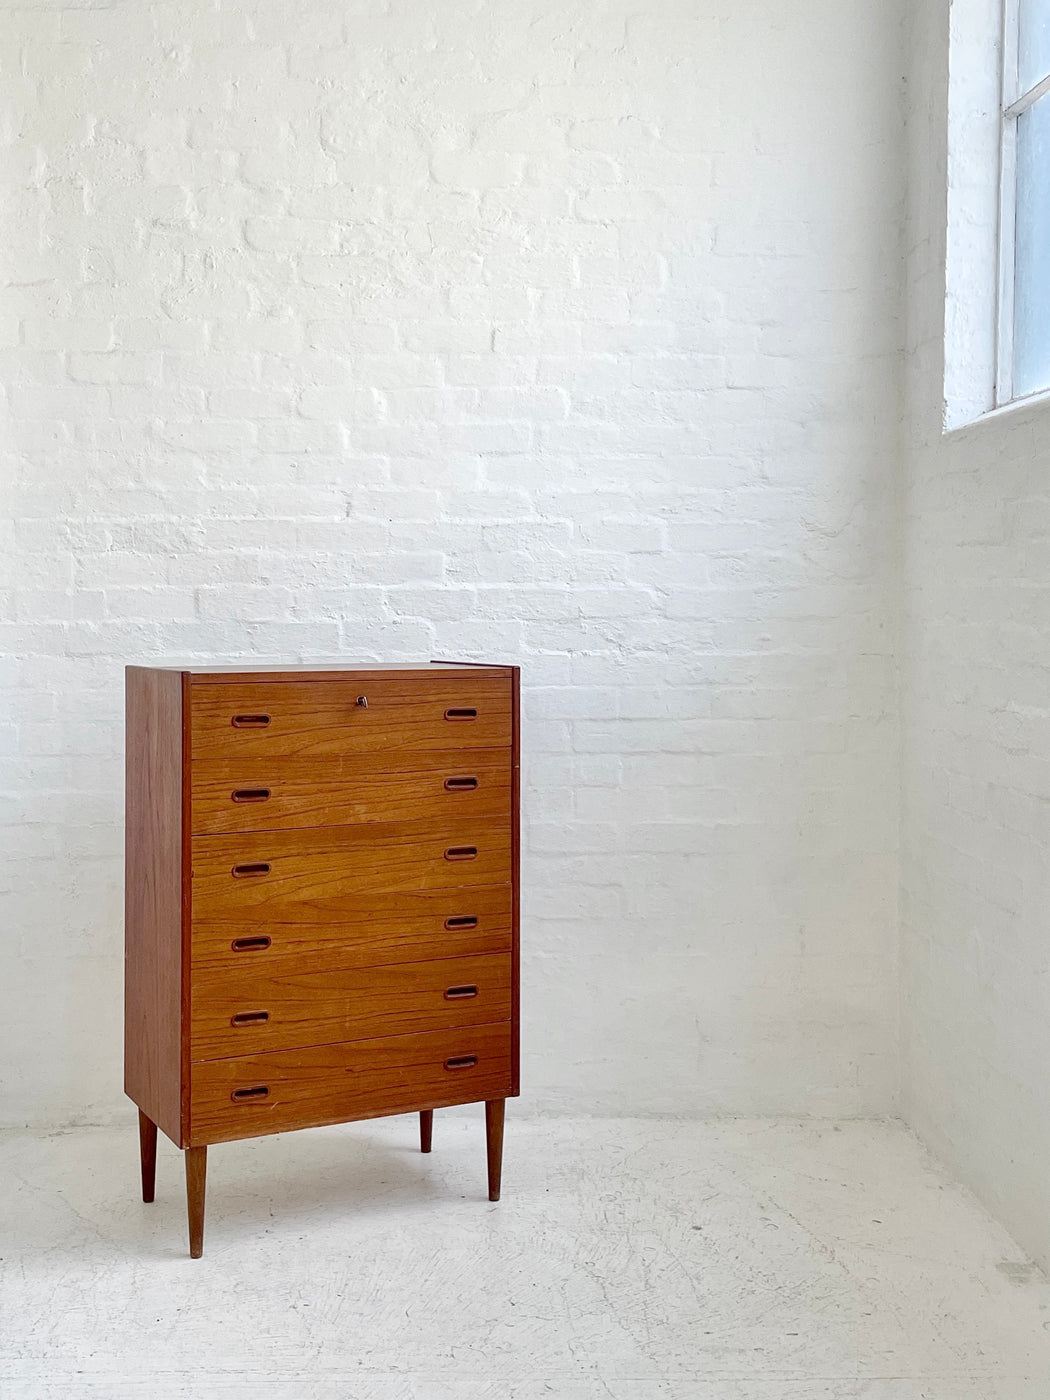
(1013, 103)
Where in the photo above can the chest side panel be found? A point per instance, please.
(153, 900)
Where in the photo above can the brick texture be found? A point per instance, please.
(976, 709)
(532, 331)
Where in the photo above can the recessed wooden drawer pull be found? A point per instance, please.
(461, 1062)
(257, 1091)
(461, 852)
(250, 721)
(249, 1018)
(250, 794)
(460, 784)
(460, 993)
(259, 867)
(463, 713)
(248, 945)
(462, 921)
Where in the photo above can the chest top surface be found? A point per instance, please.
(321, 671)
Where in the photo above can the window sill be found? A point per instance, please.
(1004, 412)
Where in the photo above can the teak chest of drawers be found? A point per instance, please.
(321, 902)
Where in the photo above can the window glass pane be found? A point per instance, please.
(1032, 251)
(1033, 43)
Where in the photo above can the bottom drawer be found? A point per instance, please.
(273, 1093)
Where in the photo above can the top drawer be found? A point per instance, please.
(344, 717)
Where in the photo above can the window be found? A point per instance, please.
(1023, 351)
(997, 244)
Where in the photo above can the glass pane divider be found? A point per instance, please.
(1002, 388)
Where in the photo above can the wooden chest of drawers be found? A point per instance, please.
(321, 901)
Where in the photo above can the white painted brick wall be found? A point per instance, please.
(976, 709)
(561, 333)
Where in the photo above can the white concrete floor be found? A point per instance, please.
(628, 1260)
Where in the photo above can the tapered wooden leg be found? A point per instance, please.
(196, 1169)
(426, 1128)
(147, 1155)
(494, 1141)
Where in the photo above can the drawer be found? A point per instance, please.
(285, 1089)
(355, 930)
(272, 793)
(320, 874)
(277, 1006)
(323, 719)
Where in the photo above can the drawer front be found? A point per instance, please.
(280, 1007)
(286, 1089)
(275, 793)
(358, 930)
(324, 719)
(320, 875)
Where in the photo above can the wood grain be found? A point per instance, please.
(332, 671)
(196, 1177)
(319, 875)
(313, 1008)
(148, 1156)
(356, 1079)
(187, 905)
(515, 875)
(359, 789)
(153, 897)
(316, 718)
(494, 1115)
(360, 921)
(357, 930)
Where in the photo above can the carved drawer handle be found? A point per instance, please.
(250, 795)
(257, 1091)
(462, 712)
(259, 867)
(460, 784)
(249, 1018)
(248, 945)
(462, 921)
(461, 1062)
(461, 852)
(460, 993)
(250, 721)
